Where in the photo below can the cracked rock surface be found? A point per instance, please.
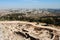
(13, 30)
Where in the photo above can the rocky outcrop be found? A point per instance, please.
(28, 31)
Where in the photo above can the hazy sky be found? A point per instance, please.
(29, 4)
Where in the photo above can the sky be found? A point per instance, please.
(5, 4)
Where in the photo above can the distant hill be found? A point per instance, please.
(50, 16)
(54, 11)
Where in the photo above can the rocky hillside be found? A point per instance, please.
(19, 30)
